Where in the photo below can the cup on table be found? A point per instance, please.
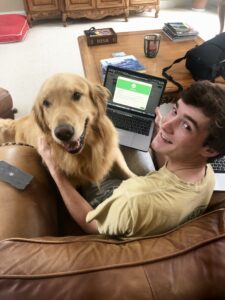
(151, 44)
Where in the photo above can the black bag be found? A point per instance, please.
(205, 62)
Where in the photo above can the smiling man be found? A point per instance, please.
(181, 138)
(188, 137)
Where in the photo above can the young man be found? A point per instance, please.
(189, 136)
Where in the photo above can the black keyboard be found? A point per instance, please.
(139, 125)
(219, 165)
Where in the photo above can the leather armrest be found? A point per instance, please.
(6, 105)
(186, 263)
(33, 211)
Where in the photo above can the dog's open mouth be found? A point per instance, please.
(76, 146)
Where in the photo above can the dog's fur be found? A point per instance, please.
(71, 112)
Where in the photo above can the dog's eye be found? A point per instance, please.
(76, 96)
(46, 103)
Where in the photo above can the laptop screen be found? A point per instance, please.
(133, 90)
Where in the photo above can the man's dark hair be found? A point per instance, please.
(210, 98)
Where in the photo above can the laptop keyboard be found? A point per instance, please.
(134, 124)
(219, 165)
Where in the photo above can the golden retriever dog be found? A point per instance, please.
(71, 112)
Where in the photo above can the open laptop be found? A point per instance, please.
(131, 107)
(219, 170)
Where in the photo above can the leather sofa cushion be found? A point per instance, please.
(185, 263)
(33, 211)
(217, 201)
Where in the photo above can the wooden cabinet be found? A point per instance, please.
(141, 5)
(42, 9)
(94, 9)
(91, 9)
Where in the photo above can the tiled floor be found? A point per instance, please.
(50, 48)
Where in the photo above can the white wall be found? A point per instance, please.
(8, 6)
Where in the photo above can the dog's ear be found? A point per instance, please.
(99, 96)
(39, 117)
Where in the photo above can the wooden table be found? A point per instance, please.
(132, 43)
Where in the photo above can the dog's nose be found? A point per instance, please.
(64, 132)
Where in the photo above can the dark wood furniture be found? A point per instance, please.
(91, 9)
(132, 43)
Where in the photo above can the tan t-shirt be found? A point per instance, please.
(152, 204)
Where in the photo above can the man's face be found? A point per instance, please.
(182, 134)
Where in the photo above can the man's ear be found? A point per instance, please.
(209, 152)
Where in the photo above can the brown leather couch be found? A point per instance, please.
(6, 105)
(45, 255)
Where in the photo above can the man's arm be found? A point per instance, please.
(77, 206)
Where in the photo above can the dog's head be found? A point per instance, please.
(66, 106)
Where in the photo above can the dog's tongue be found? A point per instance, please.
(72, 146)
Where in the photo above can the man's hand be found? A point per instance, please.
(158, 118)
(45, 150)
(159, 159)
(77, 206)
(158, 121)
